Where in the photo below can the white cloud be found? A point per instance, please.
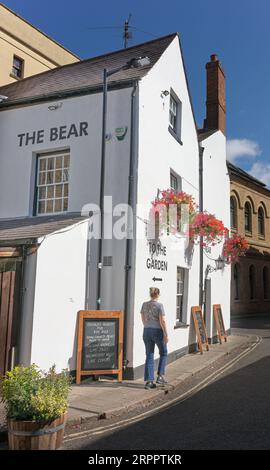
(238, 148)
(261, 171)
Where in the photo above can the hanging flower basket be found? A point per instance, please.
(170, 208)
(208, 227)
(234, 247)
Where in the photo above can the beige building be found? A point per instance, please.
(250, 217)
(25, 50)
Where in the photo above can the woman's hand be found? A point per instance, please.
(166, 339)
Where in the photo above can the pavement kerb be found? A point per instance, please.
(154, 397)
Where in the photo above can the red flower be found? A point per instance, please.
(234, 246)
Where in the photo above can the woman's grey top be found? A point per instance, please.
(152, 310)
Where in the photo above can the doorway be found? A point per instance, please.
(10, 289)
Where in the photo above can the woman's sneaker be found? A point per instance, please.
(149, 385)
(161, 380)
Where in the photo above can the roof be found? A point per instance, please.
(39, 30)
(86, 73)
(204, 134)
(235, 170)
(28, 228)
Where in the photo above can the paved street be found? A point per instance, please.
(231, 413)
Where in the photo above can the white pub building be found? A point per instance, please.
(51, 169)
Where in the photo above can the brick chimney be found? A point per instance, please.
(215, 100)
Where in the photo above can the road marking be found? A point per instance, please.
(181, 398)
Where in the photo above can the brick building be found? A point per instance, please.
(250, 212)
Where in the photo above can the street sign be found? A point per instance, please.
(222, 335)
(200, 328)
(100, 343)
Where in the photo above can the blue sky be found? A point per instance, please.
(238, 31)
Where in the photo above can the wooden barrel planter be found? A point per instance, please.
(31, 435)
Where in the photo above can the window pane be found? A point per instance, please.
(42, 193)
(58, 190)
(66, 161)
(65, 207)
(49, 205)
(50, 163)
(49, 177)
(52, 194)
(41, 207)
(42, 164)
(42, 178)
(58, 163)
(58, 205)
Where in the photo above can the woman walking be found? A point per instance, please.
(154, 333)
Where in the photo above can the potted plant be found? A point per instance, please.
(207, 226)
(169, 199)
(36, 403)
(234, 246)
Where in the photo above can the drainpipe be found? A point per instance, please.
(130, 241)
(201, 289)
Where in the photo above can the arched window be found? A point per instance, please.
(265, 282)
(251, 282)
(261, 227)
(236, 278)
(248, 222)
(233, 208)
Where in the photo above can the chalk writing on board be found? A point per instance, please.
(100, 344)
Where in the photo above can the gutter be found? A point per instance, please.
(113, 85)
(201, 287)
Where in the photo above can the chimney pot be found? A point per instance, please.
(214, 58)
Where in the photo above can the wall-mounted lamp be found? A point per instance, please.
(164, 93)
(219, 262)
(53, 107)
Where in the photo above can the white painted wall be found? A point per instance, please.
(18, 164)
(158, 152)
(59, 295)
(217, 201)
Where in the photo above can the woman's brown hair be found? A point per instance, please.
(154, 292)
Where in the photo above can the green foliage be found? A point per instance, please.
(30, 394)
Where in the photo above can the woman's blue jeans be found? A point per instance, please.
(152, 337)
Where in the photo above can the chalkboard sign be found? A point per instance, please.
(200, 328)
(100, 343)
(219, 323)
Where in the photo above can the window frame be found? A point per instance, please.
(64, 182)
(176, 129)
(248, 228)
(261, 220)
(181, 318)
(13, 74)
(233, 214)
(178, 180)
